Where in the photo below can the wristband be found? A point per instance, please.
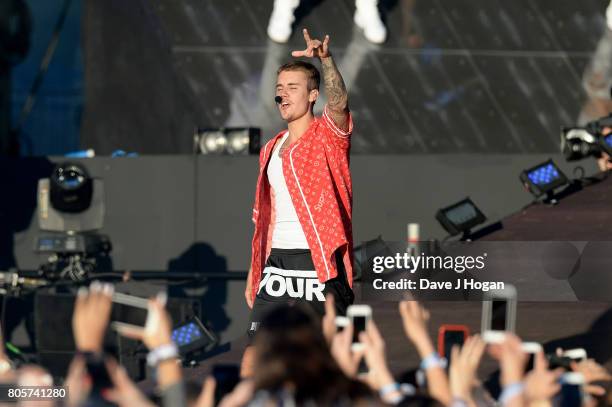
(433, 360)
(404, 390)
(510, 391)
(161, 353)
(388, 388)
(407, 389)
(457, 402)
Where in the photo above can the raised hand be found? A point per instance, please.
(464, 365)
(157, 333)
(414, 319)
(542, 384)
(314, 47)
(124, 392)
(340, 349)
(511, 358)
(92, 310)
(592, 372)
(329, 320)
(78, 382)
(375, 356)
(158, 327)
(207, 395)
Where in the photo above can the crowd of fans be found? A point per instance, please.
(303, 360)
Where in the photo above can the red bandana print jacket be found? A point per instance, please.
(316, 170)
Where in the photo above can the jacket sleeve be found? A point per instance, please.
(335, 135)
(256, 200)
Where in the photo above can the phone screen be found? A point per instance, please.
(498, 315)
(359, 325)
(555, 362)
(530, 362)
(128, 314)
(452, 338)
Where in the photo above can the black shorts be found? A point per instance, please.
(289, 277)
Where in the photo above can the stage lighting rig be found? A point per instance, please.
(71, 206)
(460, 217)
(227, 141)
(543, 179)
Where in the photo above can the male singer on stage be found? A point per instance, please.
(302, 244)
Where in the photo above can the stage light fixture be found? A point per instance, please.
(543, 179)
(71, 205)
(460, 217)
(71, 188)
(578, 143)
(588, 141)
(70, 200)
(237, 141)
(192, 336)
(212, 142)
(228, 141)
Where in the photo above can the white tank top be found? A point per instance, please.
(287, 232)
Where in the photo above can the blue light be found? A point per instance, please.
(186, 334)
(608, 139)
(543, 175)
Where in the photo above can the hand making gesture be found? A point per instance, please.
(314, 47)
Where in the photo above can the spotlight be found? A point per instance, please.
(577, 143)
(70, 200)
(231, 141)
(192, 336)
(71, 204)
(71, 188)
(460, 217)
(543, 179)
(212, 142)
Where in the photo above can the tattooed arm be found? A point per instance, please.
(337, 96)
